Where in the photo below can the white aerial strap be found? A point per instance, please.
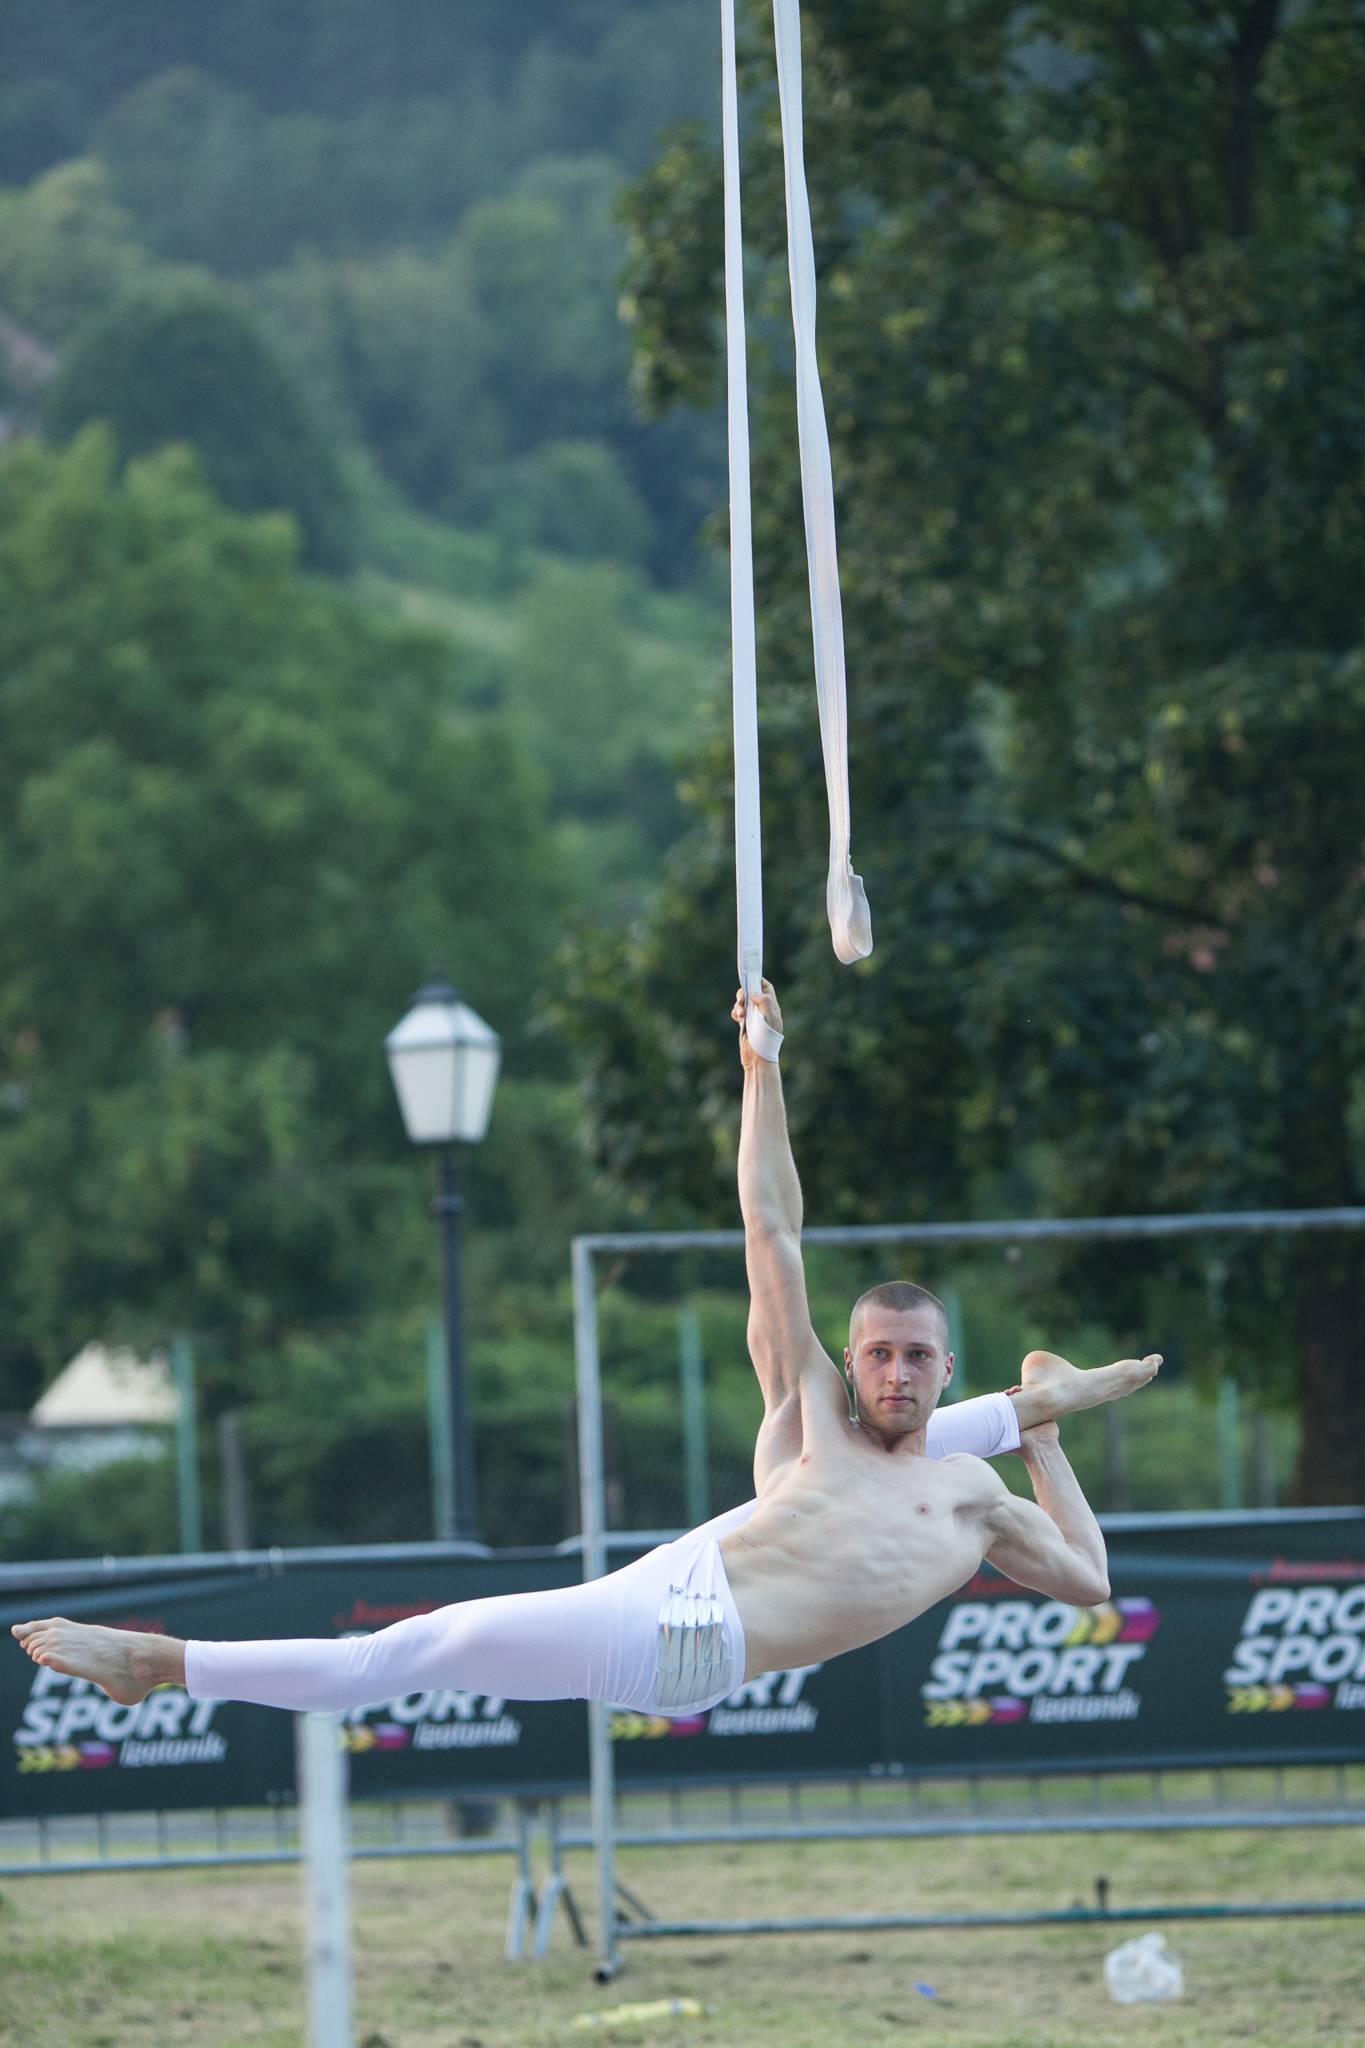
(850, 923)
(850, 920)
(748, 830)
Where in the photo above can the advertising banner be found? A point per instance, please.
(67, 1748)
(1247, 1646)
(1225, 1640)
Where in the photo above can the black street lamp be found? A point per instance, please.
(444, 1062)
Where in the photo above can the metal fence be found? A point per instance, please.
(537, 1834)
(335, 1431)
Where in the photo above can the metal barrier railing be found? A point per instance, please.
(543, 1830)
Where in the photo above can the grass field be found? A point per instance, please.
(215, 1958)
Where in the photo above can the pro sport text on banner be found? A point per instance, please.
(1225, 1640)
(1236, 1641)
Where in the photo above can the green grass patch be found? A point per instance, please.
(216, 1957)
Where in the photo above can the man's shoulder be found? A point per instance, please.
(972, 1479)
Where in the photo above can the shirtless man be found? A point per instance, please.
(860, 1523)
(857, 1530)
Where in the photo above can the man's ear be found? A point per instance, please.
(948, 1372)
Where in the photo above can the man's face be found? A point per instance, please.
(899, 1364)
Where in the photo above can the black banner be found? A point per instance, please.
(1226, 1640)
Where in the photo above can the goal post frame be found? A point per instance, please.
(588, 1369)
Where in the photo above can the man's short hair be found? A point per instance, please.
(898, 1296)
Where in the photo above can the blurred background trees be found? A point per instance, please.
(187, 365)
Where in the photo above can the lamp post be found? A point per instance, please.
(444, 1063)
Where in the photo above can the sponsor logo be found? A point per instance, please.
(770, 1705)
(366, 1615)
(443, 1718)
(1289, 1572)
(1300, 1649)
(626, 1725)
(68, 1724)
(1007, 1661)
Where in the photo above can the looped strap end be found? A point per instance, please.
(766, 1042)
(850, 918)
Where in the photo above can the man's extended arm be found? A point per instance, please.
(782, 1343)
(769, 1190)
(1055, 1547)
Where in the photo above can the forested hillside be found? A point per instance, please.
(364, 264)
(417, 210)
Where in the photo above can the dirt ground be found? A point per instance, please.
(216, 1958)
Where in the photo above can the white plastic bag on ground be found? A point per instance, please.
(1143, 1969)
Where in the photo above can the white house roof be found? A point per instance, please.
(101, 1387)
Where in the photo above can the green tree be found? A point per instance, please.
(66, 250)
(179, 149)
(185, 363)
(241, 815)
(542, 260)
(123, 1509)
(1091, 322)
(581, 502)
(415, 348)
(606, 724)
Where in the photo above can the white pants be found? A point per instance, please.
(662, 1634)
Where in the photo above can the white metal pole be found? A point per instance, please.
(322, 1778)
(593, 1519)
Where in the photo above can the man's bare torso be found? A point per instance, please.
(849, 1540)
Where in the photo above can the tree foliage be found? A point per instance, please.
(1093, 302)
(240, 816)
(427, 233)
(186, 364)
(336, 57)
(232, 842)
(67, 250)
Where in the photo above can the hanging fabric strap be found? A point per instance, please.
(748, 832)
(850, 920)
(846, 899)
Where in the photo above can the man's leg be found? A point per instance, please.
(599, 1639)
(121, 1662)
(987, 1426)
(559, 1644)
(1049, 1388)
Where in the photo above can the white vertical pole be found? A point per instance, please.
(322, 1777)
(593, 1519)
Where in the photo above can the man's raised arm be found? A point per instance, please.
(782, 1343)
(1056, 1547)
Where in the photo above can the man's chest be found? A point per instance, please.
(883, 1505)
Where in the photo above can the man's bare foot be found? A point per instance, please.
(1052, 1388)
(120, 1662)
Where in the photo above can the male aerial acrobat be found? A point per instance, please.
(864, 1517)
